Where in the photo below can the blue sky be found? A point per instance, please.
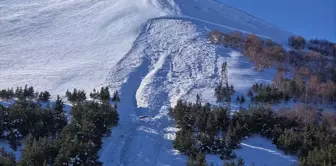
(309, 18)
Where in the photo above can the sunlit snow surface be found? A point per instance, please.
(154, 51)
(61, 44)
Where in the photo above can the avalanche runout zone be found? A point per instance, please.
(171, 59)
(164, 66)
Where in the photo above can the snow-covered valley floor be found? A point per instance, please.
(153, 51)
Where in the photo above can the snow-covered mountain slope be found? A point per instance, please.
(154, 51)
(57, 44)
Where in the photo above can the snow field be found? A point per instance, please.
(57, 45)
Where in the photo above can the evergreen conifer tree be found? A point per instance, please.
(105, 94)
(242, 99)
(44, 96)
(116, 96)
(200, 159)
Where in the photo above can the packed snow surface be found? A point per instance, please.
(154, 51)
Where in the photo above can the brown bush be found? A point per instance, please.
(216, 36)
(276, 53)
(270, 43)
(312, 55)
(234, 39)
(271, 55)
(305, 114)
(253, 46)
(304, 71)
(329, 119)
(323, 46)
(297, 42)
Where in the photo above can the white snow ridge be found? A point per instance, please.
(153, 51)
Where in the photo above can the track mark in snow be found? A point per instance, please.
(147, 130)
(268, 150)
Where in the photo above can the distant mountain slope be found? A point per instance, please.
(216, 12)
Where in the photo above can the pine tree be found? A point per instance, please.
(240, 161)
(19, 93)
(81, 96)
(238, 99)
(68, 93)
(7, 159)
(94, 95)
(10, 93)
(36, 95)
(229, 142)
(242, 99)
(191, 161)
(77, 96)
(227, 90)
(116, 96)
(224, 75)
(184, 141)
(250, 94)
(223, 91)
(105, 94)
(59, 115)
(219, 93)
(200, 159)
(32, 154)
(59, 104)
(198, 99)
(44, 96)
(227, 154)
(28, 92)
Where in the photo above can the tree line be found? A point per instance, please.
(78, 96)
(22, 93)
(26, 117)
(49, 139)
(306, 88)
(298, 88)
(314, 75)
(267, 53)
(261, 93)
(264, 53)
(304, 131)
(322, 46)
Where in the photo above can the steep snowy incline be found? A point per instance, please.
(61, 44)
(152, 71)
